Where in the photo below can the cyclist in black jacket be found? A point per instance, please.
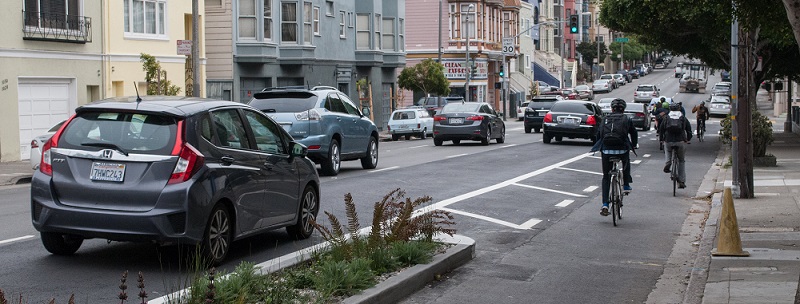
(608, 149)
(675, 140)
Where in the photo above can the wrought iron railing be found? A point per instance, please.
(56, 27)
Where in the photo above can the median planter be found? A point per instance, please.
(768, 160)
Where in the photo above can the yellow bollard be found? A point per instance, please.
(728, 241)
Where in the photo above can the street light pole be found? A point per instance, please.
(440, 31)
(467, 64)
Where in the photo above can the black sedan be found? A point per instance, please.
(638, 113)
(572, 119)
(468, 121)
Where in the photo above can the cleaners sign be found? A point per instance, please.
(457, 69)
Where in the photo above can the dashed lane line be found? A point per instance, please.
(384, 169)
(646, 155)
(549, 190)
(636, 162)
(590, 189)
(16, 239)
(457, 155)
(565, 203)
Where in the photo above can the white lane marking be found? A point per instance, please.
(506, 183)
(590, 189)
(530, 223)
(457, 155)
(646, 155)
(565, 203)
(385, 169)
(636, 162)
(506, 146)
(654, 139)
(16, 239)
(414, 147)
(488, 219)
(549, 190)
(578, 170)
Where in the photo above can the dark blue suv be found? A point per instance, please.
(326, 121)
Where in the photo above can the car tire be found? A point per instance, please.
(370, 161)
(537, 129)
(558, 138)
(546, 138)
(408, 137)
(456, 141)
(306, 215)
(437, 142)
(395, 137)
(331, 164)
(502, 137)
(424, 134)
(485, 140)
(217, 236)
(61, 244)
(527, 129)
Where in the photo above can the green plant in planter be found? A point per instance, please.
(762, 133)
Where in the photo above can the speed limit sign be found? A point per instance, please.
(508, 46)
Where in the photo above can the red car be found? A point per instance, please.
(570, 94)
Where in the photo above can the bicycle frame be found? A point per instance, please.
(615, 190)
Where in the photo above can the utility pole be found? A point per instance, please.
(467, 64)
(735, 107)
(597, 41)
(195, 49)
(440, 31)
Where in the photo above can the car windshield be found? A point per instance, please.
(460, 107)
(634, 108)
(600, 82)
(720, 99)
(127, 132)
(645, 88)
(572, 107)
(284, 102)
(606, 76)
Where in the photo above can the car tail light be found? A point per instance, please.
(310, 114)
(419, 126)
(548, 117)
(388, 128)
(189, 159)
(46, 165)
(591, 121)
(314, 147)
(639, 114)
(475, 117)
(34, 144)
(439, 118)
(634, 94)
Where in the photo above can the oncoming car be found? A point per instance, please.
(171, 170)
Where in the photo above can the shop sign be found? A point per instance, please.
(457, 69)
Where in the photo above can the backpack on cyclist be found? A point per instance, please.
(615, 131)
(674, 126)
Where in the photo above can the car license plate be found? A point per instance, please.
(571, 121)
(109, 172)
(456, 120)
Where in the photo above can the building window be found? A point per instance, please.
(268, 20)
(61, 14)
(377, 22)
(315, 23)
(362, 31)
(351, 20)
(329, 7)
(401, 34)
(468, 21)
(288, 22)
(247, 19)
(453, 21)
(342, 26)
(506, 24)
(307, 11)
(145, 17)
(388, 34)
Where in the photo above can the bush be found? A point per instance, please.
(762, 133)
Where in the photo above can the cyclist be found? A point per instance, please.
(616, 138)
(702, 115)
(675, 131)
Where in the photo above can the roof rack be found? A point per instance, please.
(317, 88)
(299, 87)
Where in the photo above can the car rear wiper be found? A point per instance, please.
(105, 145)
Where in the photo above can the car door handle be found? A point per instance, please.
(227, 160)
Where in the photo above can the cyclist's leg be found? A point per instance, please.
(626, 162)
(680, 150)
(606, 178)
(667, 156)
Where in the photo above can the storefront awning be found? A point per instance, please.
(541, 74)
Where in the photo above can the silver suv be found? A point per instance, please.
(326, 121)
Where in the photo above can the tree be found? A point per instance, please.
(588, 51)
(793, 13)
(156, 78)
(426, 76)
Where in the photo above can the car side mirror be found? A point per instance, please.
(298, 150)
(499, 113)
(365, 111)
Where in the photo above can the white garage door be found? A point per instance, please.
(41, 106)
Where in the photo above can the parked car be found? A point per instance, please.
(569, 93)
(538, 107)
(585, 92)
(605, 104)
(171, 170)
(660, 64)
(635, 74)
(649, 67)
(721, 88)
(410, 122)
(434, 104)
(603, 85)
(572, 119)
(468, 121)
(324, 120)
(641, 68)
(626, 75)
(620, 80)
(645, 92)
(719, 105)
(612, 80)
(521, 110)
(726, 76)
(638, 113)
(545, 87)
(37, 143)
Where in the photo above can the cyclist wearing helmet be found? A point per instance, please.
(615, 138)
(702, 115)
(675, 131)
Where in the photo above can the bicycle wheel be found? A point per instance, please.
(674, 174)
(614, 197)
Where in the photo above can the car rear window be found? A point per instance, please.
(460, 108)
(634, 107)
(541, 104)
(572, 107)
(129, 132)
(403, 115)
(644, 88)
(284, 102)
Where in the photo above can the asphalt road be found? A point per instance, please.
(533, 209)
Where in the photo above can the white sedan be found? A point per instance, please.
(38, 142)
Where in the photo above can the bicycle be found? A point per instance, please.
(673, 174)
(615, 190)
(701, 129)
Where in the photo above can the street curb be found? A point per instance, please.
(19, 178)
(412, 279)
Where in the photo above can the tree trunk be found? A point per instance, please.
(793, 13)
(743, 116)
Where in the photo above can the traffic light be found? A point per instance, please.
(502, 69)
(474, 71)
(573, 24)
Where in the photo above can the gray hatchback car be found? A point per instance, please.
(326, 121)
(171, 170)
(468, 121)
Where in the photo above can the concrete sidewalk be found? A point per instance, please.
(16, 172)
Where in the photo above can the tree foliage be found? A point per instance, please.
(156, 78)
(426, 76)
(588, 51)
